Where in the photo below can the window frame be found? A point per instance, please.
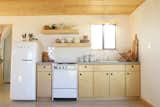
(103, 41)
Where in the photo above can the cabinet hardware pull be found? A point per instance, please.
(80, 74)
(49, 74)
(111, 73)
(106, 73)
(85, 66)
(132, 66)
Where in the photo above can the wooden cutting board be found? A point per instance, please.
(134, 49)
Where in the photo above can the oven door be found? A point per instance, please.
(65, 79)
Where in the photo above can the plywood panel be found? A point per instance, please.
(53, 7)
(133, 68)
(132, 83)
(85, 68)
(117, 84)
(118, 9)
(61, 31)
(44, 84)
(101, 84)
(116, 68)
(85, 84)
(71, 45)
(1, 74)
(102, 2)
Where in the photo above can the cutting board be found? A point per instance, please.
(134, 50)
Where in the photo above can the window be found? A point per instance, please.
(103, 36)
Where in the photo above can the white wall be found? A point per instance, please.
(33, 24)
(145, 21)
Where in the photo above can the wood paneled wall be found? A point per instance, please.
(67, 7)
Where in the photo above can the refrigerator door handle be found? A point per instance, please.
(26, 60)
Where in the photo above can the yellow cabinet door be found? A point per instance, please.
(132, 83)
(117, 83)
(85, 84)
(1, 77)
(44, 84)
(101, 84)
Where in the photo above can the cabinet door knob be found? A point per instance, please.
(132, 66)
(80, 74)
(85, 66)
(111, 73)
(107, 73)
(49, 74)
(128, 73)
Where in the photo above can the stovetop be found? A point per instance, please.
(66, 62)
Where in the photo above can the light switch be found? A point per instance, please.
(149, 45)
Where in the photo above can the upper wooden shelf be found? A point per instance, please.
(72, 44)
(60, 31)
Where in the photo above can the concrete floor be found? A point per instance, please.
(6, 102)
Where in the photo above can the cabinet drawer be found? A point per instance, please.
(44, 67)
(132, 67)
(85, 67)
(109, 68)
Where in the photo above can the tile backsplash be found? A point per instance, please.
(101, 55)
(75, 54)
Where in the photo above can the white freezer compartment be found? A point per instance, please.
(26, 51)
(65, 79)
(64, 93)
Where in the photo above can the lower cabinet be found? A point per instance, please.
(132, 83)
(109, 84)
(117, 83)
(44, 81)
(101, 84)
(103, 81)
(85, 84)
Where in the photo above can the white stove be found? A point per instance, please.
(65, 81)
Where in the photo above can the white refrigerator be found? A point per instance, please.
(23, 70)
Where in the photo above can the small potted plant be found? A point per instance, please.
(24, 37)
(30, 35)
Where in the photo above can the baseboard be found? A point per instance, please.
(146, 103)
(110, 98)
(44, 99)
(133, 98)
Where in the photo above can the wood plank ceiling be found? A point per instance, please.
(67, 7)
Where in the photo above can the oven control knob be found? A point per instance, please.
(59, 67)
(55, 67)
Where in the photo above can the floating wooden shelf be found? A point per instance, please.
(72, 44)
(61, 31)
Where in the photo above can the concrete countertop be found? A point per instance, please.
(44, 62)
(108, 62)
(99, 62)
